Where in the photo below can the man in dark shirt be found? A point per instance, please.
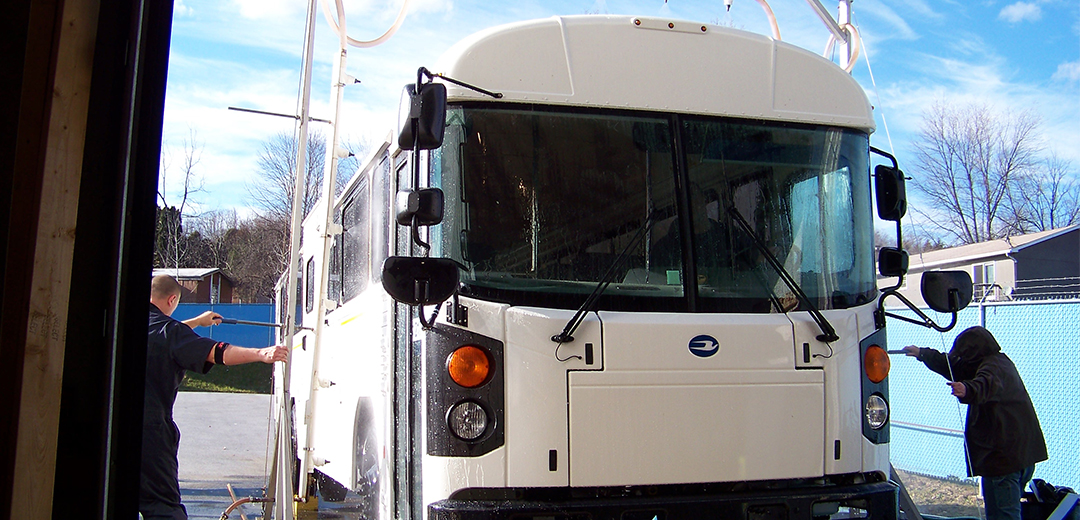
(1002, 433)
(173, 348)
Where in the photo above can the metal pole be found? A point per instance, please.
(843, 17)
(283, 505)
(337, 88)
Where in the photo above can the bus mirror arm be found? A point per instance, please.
(433, 75)
(881, 313)
(428, 324)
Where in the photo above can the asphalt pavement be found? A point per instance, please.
(223, 440)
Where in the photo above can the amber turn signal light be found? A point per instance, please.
(469, 366)
(876, 364)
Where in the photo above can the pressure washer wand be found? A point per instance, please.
(231, 321)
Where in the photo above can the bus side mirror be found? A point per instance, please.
(892, 262)
(891, 193)
(946, 291)
(425, 205)
(422, 116)
(419, 281)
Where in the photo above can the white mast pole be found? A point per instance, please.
(843, 18)
(283, 505)
(329, 231)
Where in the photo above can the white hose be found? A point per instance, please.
(358, 43)
(772, 19)
(856, 41)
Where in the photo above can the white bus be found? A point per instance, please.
(654, 239)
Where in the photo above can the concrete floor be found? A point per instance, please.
(223, 440)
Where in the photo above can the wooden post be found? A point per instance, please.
(39, 410)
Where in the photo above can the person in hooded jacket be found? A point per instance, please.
(1002, 432)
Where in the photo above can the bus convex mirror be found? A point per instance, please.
(422, 116)
(891, 193)
(892, 262)
(425, 205)
(419, 281)
(946, 291)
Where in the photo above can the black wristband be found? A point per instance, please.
(219, 353)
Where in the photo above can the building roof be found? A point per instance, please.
(970, 253)
(190, 273)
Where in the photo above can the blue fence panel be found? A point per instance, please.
(253, 336)
(1047, 355)
(1043, 339)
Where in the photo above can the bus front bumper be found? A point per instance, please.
(867, 501)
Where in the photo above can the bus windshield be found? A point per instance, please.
(540, 203)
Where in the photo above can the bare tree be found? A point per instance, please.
(968, 160)
(916, 240)
(172, 244)
(212, 229)
(257, 257)
(272, 189)
(272, 192)
(1047, 199)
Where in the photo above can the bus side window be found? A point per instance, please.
(380, 216)
(333, 273)
(333, 279)
(281, 305)
(403, 176)
(309, 287)
(298, 314)
(356, 243)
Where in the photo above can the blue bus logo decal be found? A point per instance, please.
(704, 346)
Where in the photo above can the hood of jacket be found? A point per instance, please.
(971, 347)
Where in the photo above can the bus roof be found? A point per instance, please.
(657, 65)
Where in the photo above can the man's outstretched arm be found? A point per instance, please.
(234, 355)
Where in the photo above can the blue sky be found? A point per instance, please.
(1011, 55)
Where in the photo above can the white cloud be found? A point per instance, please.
(894, 24)
(271, 9)
(1068, 72)
(923, 9)
(1021, 12)
(979, 80)
(180, 9)
(431, 6)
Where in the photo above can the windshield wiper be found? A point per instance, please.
(567, 334)
(828, 333)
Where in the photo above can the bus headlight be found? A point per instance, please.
(877, 411)
(467, 420)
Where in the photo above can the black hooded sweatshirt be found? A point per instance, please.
(1002, 431)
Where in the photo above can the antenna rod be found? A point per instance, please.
(265, 113)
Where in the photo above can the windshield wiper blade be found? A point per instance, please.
(828, 333)
(567, 334)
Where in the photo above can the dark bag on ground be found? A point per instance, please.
(1044, 498)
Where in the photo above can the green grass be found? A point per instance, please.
(252, 378)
